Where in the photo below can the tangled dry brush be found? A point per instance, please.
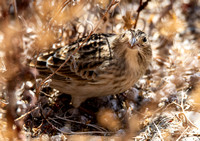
(163, 105)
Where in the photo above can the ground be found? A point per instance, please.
(162, 105)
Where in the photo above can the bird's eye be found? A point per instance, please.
(144, 39)
(123, 35)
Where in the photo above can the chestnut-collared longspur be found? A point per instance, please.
(105, 64)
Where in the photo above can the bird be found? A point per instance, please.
(105, 64)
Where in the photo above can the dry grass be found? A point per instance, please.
(163, 105)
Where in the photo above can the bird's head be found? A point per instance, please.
(135, 39)
(135, 47)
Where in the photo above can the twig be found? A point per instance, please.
(78, 133)
(159, 133)
(75, 133)
(114, 2)
(182, 134)
(73, 121)
(140, 8)
(183, 111)
(24, 115)
(137, 15)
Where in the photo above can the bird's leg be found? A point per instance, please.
(77, 100)
(74, 62)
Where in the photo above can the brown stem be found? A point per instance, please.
(138, 14)
(140, 8)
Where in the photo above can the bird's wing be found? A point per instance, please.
(83, 65)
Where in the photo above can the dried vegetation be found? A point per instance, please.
(163, 105)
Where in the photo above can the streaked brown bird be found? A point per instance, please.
(105, 64)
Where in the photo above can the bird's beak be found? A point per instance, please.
(133, 39)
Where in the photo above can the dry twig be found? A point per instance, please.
(140, 8)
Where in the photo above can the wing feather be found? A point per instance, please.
(83, 65)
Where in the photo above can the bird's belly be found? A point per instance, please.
(107, 87)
